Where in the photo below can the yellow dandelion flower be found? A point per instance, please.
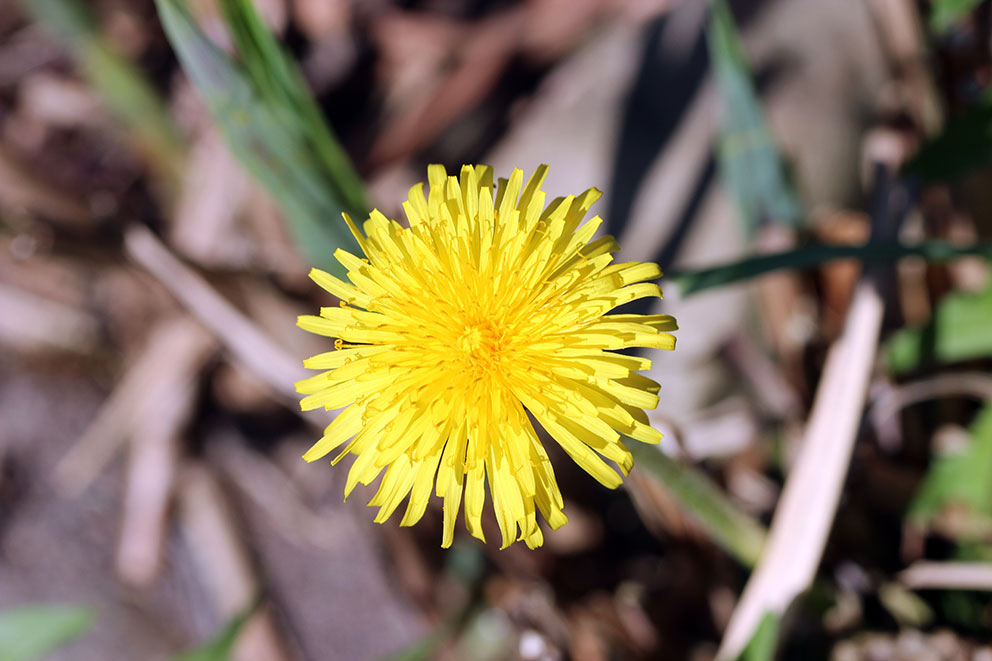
(484, 310)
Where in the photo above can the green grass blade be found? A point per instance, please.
(32, 632)
(698, 280)
(734, 530)
(749, 160)
(945, 13)
(124, 89)
(280, 79)
(267, 136)
(764, 641)
(959, 330)
(221, 646)
(962, 481)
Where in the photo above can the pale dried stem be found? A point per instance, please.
(947, 576)
(34, 323)
(154, 454)
(174, 354)
(223, 564)
(213, 194)
(808, 503)
(903, 38)
(966, 384)
(802, 521)
(249, 345)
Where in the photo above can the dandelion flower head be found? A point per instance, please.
(488, 311)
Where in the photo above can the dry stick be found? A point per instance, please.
(903, 38)
(947, 576)
(154, 455)
(34, 323)
(809, 500)
(213, 194)
(174, 354)
(207, 522)
(963, 384)
(223, 563)
(256, 351)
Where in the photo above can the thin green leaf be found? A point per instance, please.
(280, 79)
(764, 641)
(268, 136)
(124, 88)
(905, 606)
(32, 632)
(945, 13)
(964, 145)
(730, 527)
(962, 481)
(220, 647)
(749, 160)
(814, 254)
(958, 330)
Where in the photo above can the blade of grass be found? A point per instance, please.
(279, 78)
(749, 160)
(959, 330)
(945, 13)
(221, 646)
(764, 641)
(961, 481)
(123, 87)
(734, 530)
(33, 632)
(271, 139)
(814, 254)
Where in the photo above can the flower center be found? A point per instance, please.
(481, 347)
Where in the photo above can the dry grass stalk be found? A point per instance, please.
(154, 454)
(976, 385)
(213, 194)
(903, 39)
(249, 345)
(174, 354)
(926, 575)
(223, 563)
(802, 521)
(31, 323)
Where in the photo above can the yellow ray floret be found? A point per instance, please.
(487, 308)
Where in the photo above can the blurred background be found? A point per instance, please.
(811, 176)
